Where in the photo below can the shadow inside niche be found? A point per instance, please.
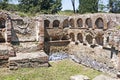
(14, 38)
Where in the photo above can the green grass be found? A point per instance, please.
(60, 70)
(118, 27)
(67, 12)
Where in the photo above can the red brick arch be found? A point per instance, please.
(79, 22)
(99, 23)
(72, 23)
(80, 37)
(103, 18)
(99, 38)
(89, 38)
(56, 23)
(65, 23)
(88, 23)
(46, 23)
(72, 36)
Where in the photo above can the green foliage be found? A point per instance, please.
(33, 6)
(101, 7)
(114, 6)
(66, 12)
(88, 6)
(21, 14)
(118, 27)
(12, 7)
(60, 70)
(4, 5)
(41, 6)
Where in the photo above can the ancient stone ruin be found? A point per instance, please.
(93, 38)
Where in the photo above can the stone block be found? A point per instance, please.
(12, 53)
(4, 57)
(13, 67)
(27, 60)
(79, 77)
(103, 77)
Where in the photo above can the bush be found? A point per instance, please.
(21, 14)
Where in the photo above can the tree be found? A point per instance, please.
(73, 4)
(3, 4)
(114, 6)
(26, 5)
(56, 7)
(43, 6)
(88, 6)
(102, 7)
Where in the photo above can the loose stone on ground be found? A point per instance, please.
(79, 77)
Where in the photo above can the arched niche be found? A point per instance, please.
(72, 36)
(99, 23)
(56, 23)
(89, 39)
(99, 39)
(2, 23)
(88, 23)
(80, 22)
(80, 37)
(2, 34)
(5, 27)
(72, 23)
(46, 23)
(65, 23)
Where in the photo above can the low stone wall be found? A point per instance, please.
(4, 61)
(27, 60)
(57, 46)
(25, 47)
(89, 62)
(54, 49)
(5, 52)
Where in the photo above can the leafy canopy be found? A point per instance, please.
(42, 6)
(88, 6)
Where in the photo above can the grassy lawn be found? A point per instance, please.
(59, 70)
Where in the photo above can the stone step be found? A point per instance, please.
(6, 51)
(27, 60)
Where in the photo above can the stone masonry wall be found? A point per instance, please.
(98, 37)
(23, 30)
(97, 58)
(28, 60)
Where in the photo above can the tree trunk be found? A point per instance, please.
(73, 4)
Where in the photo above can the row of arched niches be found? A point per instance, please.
(88, 39)
(95, 22)
(77, 27)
